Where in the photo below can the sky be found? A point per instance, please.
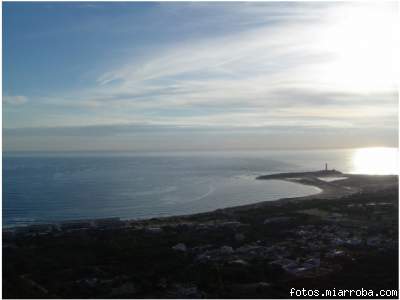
(136, 76)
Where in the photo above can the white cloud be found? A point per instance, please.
(286, 64)
(246, 69)
(15, 100)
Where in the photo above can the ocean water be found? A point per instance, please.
(46, 187)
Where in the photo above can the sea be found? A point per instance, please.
(41, 187)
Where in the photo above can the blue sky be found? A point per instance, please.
(199, 75)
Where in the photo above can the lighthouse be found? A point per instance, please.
(326, 166)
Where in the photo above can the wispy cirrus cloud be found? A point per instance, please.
(15, 100)
(278, 66)
(281, 66)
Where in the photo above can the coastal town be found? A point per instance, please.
(255, 251)
(200, 149)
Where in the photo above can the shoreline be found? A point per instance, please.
(251, 251)
(318, 191)
(328, 190)
(322, 191)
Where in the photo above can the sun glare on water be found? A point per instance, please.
(378, 161)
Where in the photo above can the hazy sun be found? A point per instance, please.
(363, 41)
(377, 161)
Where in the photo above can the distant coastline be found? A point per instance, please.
(307, 241)
(92, 221)
(353, 184)
(329, 190)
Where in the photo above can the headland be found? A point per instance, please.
(346, 236)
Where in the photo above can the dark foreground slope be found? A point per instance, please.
(255, 251)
